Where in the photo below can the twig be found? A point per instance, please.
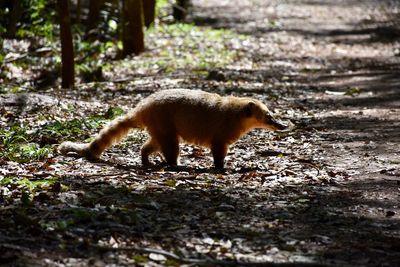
(282, 170)
(12, 246)
(36, 176)
(84, 176)
(24, 55)
(313, 166)
(30, 176)
(297, 164)
(211, 262)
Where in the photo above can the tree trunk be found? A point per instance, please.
(78, 11)
(180, 10)
(149, 12)
(94, 15)
(14, 17)
(132, 28)
(67, 50)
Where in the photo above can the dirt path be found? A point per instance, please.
(342, 60)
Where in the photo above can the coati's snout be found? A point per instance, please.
(275, 124)
(264, 117)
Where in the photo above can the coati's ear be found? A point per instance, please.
(249, 109)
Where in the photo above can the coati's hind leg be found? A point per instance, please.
(169, 146)
(147, 149)
(219, 152)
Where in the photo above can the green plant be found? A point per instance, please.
(28, 185)
(162, 8)
(21, 144)
(199, 48)
(78, 127)
(38, 19)
(16, 145)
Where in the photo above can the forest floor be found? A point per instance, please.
(326, 193)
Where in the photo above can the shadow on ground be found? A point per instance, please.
(261, 19)
(328, 224)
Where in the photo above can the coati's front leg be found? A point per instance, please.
(219, 151)
(169, 146)
(165, 142)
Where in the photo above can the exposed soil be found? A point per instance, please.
(328, 48)
(327, 193)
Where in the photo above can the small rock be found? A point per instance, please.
(157, 257)
(216, 75)
(390, 213)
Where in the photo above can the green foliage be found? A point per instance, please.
(30, 151)
(16, 134)
(75, 216)
(90, 55)
(136, 136)
(69, 129)
(353, 91)
(38, 19)
(79, 127)
(112, 24)
(140, 258)
(162, 3)
(25, 152)
(112, 113)
(162, 8)
(58, 225)
(196, 50)
(12, 89)
(171, 182)
(3, 13)
(28, 187)
(172, 262)
(81, 215)
(1, 55)
(23, 144)
(26, 199)
(16, 144)
(199, 48)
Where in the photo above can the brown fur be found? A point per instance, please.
(193, 116)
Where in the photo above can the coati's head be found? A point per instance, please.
(259, 116)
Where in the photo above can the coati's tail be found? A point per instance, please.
(110, 135)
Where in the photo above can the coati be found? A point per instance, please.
(194, 116)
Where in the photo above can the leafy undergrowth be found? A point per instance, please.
(170, 48)
(22, 142)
